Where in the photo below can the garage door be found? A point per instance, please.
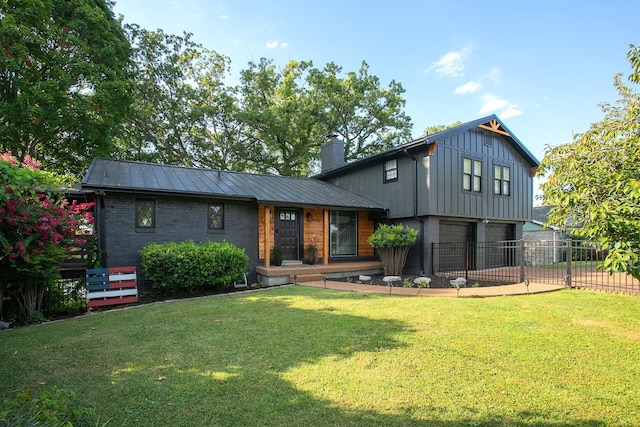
(501, 250)
(456, 248)
(498, 232)
(456, 232)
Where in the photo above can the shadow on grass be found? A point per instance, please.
(224, 361)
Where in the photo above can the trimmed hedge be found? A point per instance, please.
(186, 267)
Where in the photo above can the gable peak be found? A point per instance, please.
(494, 125)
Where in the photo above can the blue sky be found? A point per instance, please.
(541, 66)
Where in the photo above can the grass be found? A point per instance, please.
(574, 265)
(297, 356)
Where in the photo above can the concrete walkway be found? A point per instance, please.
(488, 291)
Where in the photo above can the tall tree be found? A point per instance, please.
(430, 130)
(281, 116)
(64, 80)
(183, 112)
(594, 182)
(368, 117)
(289, 111)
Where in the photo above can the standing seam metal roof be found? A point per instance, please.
(515, 142)
(130, 176)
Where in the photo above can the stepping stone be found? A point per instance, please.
(422, 281)
(364, 278)
(390, 279)
(460, 281)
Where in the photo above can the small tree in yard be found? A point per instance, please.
(37, 224)
(593, 183)
(393, 243)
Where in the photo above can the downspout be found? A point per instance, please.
(415, 210)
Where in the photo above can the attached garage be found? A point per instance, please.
(501, 249)
(457, 232)
(456, 250)
(499, 232)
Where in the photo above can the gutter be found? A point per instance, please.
(415, 209)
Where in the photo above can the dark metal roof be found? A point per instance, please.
(439, 136)
(541, 213)
(128, 176)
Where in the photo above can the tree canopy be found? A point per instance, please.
(75, 84)
(183, 112)
(430, 130)
(289, 112)
(593, 183)
(64, 80)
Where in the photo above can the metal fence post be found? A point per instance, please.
(567, 277)
(522, 260)
(466, 260)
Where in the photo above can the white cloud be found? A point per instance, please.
(491, 104)
(451, 64)
(495, 74)
(511, 111)
(469, 87)
(275, 44)
(502, 107)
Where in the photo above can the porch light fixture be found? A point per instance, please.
(309, 216)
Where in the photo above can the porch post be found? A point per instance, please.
(325, 232)
(267, 236)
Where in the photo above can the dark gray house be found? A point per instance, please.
(470, 183)
(138, 203)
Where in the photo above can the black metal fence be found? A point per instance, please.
(64, 297)
(573, 263)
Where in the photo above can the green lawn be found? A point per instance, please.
(574, 264)
(298, 356)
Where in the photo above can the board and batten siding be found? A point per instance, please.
(368, 181)
(443, 174)
(440, 180)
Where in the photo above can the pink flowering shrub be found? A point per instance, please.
(37, 226)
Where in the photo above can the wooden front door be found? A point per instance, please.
(287, 233)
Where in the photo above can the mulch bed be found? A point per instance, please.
(437, 282)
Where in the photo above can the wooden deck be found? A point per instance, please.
(299, 273)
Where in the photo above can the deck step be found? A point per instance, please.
(302, 278)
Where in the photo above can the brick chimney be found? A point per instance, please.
(332, 153)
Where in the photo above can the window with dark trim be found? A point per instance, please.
(391, 170)
(145, 213)
(216, 216)
(343, 238)
(472, 175)
(501, 180)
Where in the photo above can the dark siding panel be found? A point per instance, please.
(446, 195)
(397, 196)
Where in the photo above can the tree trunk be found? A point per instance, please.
(393, 259)
(29, 300)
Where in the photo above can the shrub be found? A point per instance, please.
(393, 243)
(185, 267)
(37, 225)
(53, 407)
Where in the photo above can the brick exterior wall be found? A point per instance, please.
(176, 219)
